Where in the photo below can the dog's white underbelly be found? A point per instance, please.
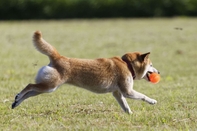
(103, 88)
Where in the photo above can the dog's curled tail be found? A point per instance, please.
(44, 47)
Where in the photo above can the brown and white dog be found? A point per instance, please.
(101, 75)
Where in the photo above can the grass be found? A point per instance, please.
(172, 45)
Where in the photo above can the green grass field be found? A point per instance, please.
(172, 43)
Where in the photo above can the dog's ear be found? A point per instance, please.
(124, 57)
(145, 56)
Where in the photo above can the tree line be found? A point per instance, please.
(62, 9)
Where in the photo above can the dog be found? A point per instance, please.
(102, 75)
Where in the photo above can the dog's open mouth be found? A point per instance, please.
(148, 74)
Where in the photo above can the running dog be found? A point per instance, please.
(103, 75)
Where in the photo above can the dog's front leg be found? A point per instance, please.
(139, 96)
(122, 101)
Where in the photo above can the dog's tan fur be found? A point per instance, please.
(99, 75)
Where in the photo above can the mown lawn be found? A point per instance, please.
(172, 43)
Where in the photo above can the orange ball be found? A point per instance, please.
(154, 78)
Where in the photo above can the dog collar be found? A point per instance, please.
(130, 68)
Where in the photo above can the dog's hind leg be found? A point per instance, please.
(31, 90)
(27, 95)
(122, 101)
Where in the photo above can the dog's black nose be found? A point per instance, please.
(158, 72)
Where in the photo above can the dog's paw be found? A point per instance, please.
(17, 97)
(14, 105)
(128, 111)
(152, 101)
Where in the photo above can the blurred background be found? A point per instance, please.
(63, 9)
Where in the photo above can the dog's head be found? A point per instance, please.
(140, 64)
